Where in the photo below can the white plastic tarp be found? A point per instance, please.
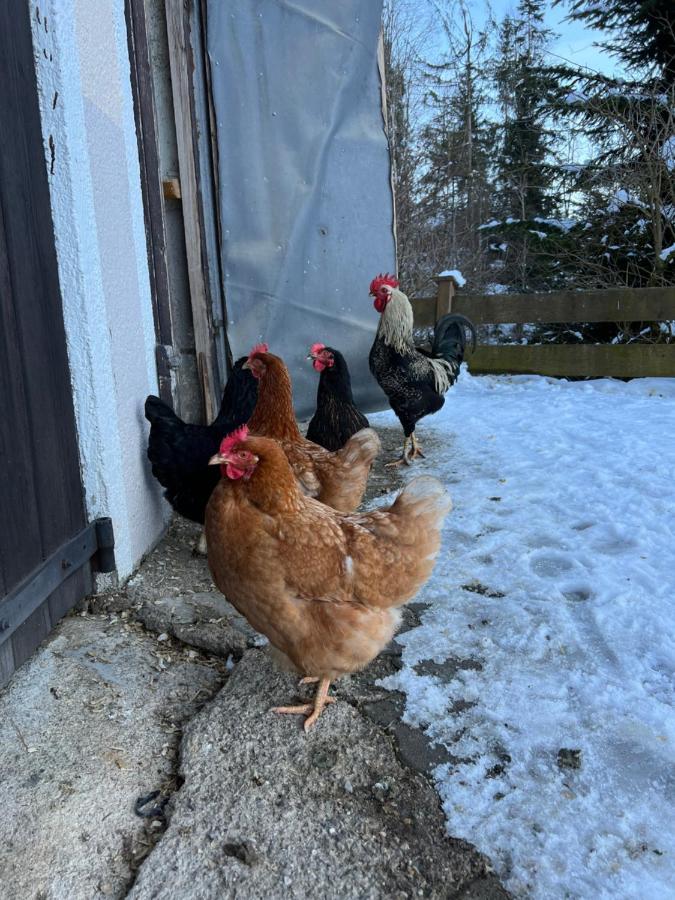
(304, 179)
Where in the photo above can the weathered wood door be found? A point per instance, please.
(41, 505)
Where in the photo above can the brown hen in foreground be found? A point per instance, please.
(336, 478)
(323, 586)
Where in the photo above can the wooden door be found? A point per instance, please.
(41, 504)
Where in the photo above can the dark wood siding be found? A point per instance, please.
(40, 489)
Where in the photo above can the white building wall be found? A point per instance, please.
(91, 155)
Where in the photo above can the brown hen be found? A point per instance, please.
(323, 586)
(338, 478)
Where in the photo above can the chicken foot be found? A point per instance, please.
(417, 448)
(312, 711)
(200, 548)
(411, 450)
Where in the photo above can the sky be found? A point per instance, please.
(575, 42)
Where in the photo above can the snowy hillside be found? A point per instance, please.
(549, 640)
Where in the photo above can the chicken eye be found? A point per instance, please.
(242, 454)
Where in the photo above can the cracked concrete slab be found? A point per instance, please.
(202, 619)
(266, 810)
(88, 725)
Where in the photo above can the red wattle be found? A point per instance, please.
(232, 471)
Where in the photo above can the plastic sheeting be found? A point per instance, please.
(304, 176)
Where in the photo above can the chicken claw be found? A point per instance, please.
(403, 459)
(312, 711)
(411, 450)
(417, 448)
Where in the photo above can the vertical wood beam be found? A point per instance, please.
(182, 66)
(446, 292)
(148, 153)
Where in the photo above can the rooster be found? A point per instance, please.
(323, 586)
(337, 479)
(336, 418)
(180, 452)
(413, 381)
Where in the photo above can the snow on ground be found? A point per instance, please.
(553, 594)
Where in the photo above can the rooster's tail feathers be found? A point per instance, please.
(450, 338)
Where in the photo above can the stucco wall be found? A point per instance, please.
(91, 156)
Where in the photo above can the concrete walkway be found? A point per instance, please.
(162, 689)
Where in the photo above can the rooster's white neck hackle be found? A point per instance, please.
(396, 323)
(396, 330)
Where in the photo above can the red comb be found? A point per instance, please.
(235, 437)
(381, 280)
(259, 348)
(316, 348)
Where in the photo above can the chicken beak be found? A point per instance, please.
(247, 365)
(220, 459)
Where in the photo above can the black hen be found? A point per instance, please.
(180, 452)
(413, 381)
(336, 418)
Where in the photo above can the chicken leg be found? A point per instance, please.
(416, 448)
(200, 548)
(312, 711)
(411, 450)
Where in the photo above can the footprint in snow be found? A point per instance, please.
(583, 526)
(577, 594)
(550, 564)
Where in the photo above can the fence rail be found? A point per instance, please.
(636, 360)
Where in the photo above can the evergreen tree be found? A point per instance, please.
(523, 170)
(521, 77)
(455, 190)
(643, 32)
(628, 185)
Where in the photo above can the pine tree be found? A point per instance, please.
(520, 76)
(643, 33)
(455, 191)
(628, 185)
(523, 174)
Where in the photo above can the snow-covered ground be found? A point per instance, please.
(554, 595)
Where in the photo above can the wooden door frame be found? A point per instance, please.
(195, 190)
(46, 545)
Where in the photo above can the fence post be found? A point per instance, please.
(446, 291)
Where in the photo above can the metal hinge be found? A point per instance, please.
(96, 542)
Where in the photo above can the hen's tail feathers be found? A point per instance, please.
(156, 409)
(412, 526)
(344, 479)
(421, 510)
(425, 502)
(361, 447)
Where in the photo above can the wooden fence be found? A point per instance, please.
(572, 360)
